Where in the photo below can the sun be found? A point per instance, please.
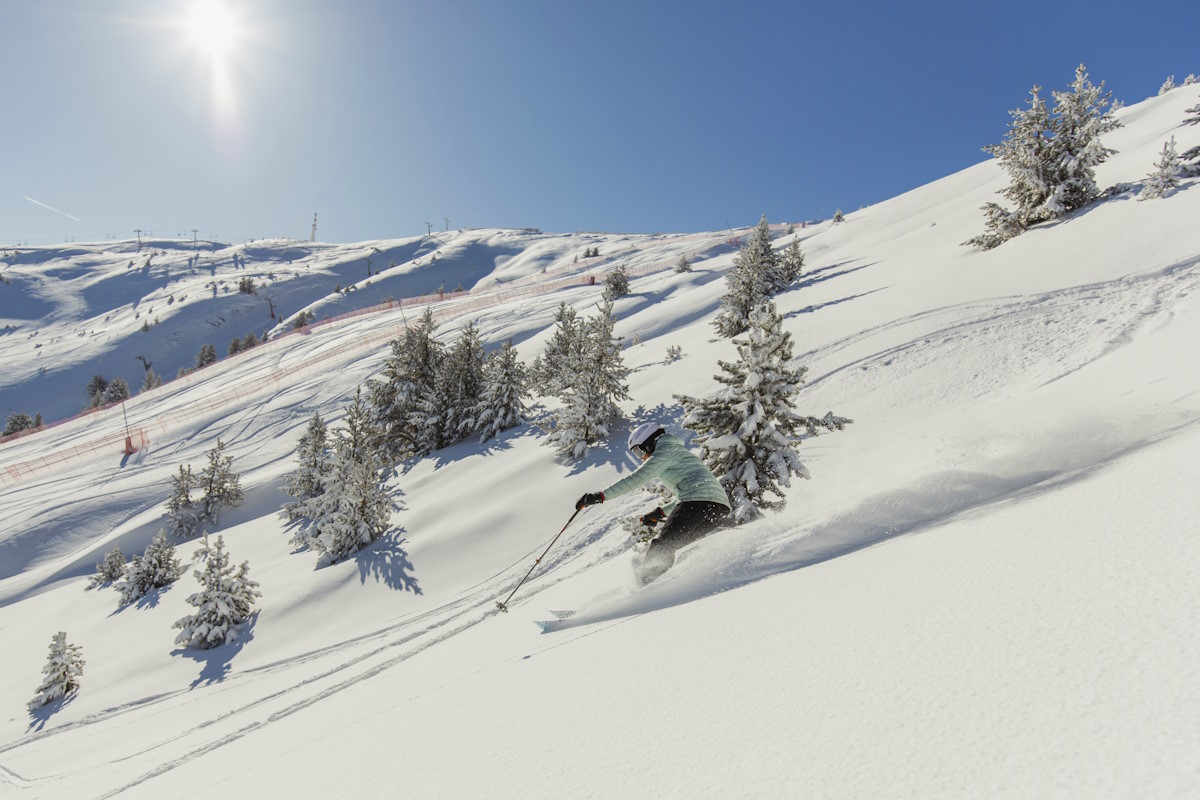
(219, 38)
(212, 27)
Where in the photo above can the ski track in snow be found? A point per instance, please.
(1041, 324)
(730, 559)
(423, 630)
(1037, 340)
(983, 352)
(1050, 323)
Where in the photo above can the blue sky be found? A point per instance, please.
(615, 116)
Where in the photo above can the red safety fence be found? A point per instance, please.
(122, 438)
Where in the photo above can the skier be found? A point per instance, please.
(702, 505)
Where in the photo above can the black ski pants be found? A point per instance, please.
(691, 520)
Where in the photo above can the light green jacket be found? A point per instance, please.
(680, 471)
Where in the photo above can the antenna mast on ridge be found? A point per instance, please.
(313, 236)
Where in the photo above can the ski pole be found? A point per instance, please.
(504, 606)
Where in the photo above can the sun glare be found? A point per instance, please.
(212, 27)
(217, 35)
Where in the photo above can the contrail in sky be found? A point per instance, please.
(52, 208)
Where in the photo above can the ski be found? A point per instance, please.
(560, 615)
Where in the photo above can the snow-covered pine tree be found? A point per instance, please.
(1191, 158)
(1081, 117)
(617, 283)
(1050, 159)
(152, 380)
(116, 391)
(502, 403)
(1024, 155)
(354, 509)
(749, 430)
(790, 265)
(184, 514)
(1167, 85)
(608, 380)
(308, 479)
(130, 582)
(18, 422)
(206, 356)
(389, 410)
(1190, 162)
(409, 373)
(592, 385)
(1000, 225)
(551, 368)
(684, 264)
(63, 669)
(754, 278)
(222, 489)
(1164, 180)
(222, 486)
(223, 602)
(159, 561)
(110, 569)
(428, 420)
(155, 568)
(1194, 119)
(462, 380)
(95, 389)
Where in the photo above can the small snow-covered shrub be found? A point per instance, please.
(153, 569)
(110, 569)
(223, 602)
(1164, 180)
(63, 669)
(617, 282)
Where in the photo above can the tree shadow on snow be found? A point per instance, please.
(386, 561)
(292, 527)
(810, 279)
(634, 303)
(472, 446)
(149, 600)
(811, 309)
(38, 717)
(216, 662)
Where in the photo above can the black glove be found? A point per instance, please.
(589, 499)
(654, 517)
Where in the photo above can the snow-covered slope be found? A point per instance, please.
(70, 312)
(986, 589)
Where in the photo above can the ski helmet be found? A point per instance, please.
(643, 436)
